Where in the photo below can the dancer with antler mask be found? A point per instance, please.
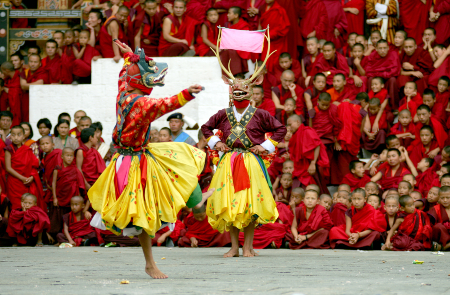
(243, 191)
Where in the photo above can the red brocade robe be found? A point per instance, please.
(355, 22)
(203, 232)
(337, 66)
(336, 20)
(441, 228)
(277, 20)
(301, 147)
(24, 225)
(384, 67)
(50, 162)
(414, 233)
(93, 164)
(319, 218)
(316, 19)
(69, 183)
(365, 219)
(14, 97)
(78, 228)
(24, 162)
(53, 68)
(184, 30)
(82, 66)
(105, 39)
(355, 182)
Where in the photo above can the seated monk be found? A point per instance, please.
(311, 94)
(309, 155)
(5, 240)
(357, 178)
(412, 99)
(13, 98)
(377, 90)
(27, 223)
(389, 175)
(405, 129)
(441, 213)
(374, 136)
(208, 34)
(288, 110)
(351, 41)
(199, 232)
(236, 59)
(112, 29)
(357, 62)
(437, 109)
(312, 44)
(340, 90)
(311, 224)
(416, 65)
(147, 26)
(330, 63)
(275, 17)
(288, 89)
(363, 224)
(412, 229)
(258, 100)
(385, 64)
(52, 63)
(427, 146)
(342, 202)
(399, 41)
(177, 32)
(441, 65)
(285, 62)
(425, 118)
(77, 228)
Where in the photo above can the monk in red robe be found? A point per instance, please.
(330, 63)
(341, 91)
(77, 228)
(177, 32)
(28, 222)
(310, 232)
(13, 91)
(113, 29)
(288, 89)
(437, 109)
(22, 167)
(199, 232)
(441, 18)
(424, 116)
(260, 102)
(354, 11)
(315, 21)
(413, 229)
(341, 205)
(35, 75)
(88, 159)
(82, 64)
(147, 27)
(286, 62)
(414, 17)
(252, 13)
(208, 35)
(5, 240)
(18, 23)
(385, 64)
(308, 154)
(223, 6)
(50, 161)
(337, 29)
(52, 63)
(236, 59)
(391, 172)
(426, 148)
(275, 17)
(416, 65)
(441, 229)
(426, 175)
(357, 177)
(363, 224)
(312, 45)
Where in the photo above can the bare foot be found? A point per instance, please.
(205, 197)
(155, 273)
(254, 253)
(232, 253)
(247, 252)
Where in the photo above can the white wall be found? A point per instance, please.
(99, 98)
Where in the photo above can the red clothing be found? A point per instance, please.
(284, 94)
(337, 66)
(69, 183)
(24, 162)
(50, 162)
(184, 30)
(338, 214)
(151, 30)
(77, 228)
(424, 181)
(253, 21)
(336, 20)
(439, 133)
(355, 182)
(355, 22)
(268, 105)
(53, 68)
(67, 59)
(314, 93)
(93, 164)
(31, 77)
(384, 67)
(296, 67)
(388, 180)
(414, 17)
(327, 123)
(399, 129)
(105, 39)
(346, 93)
(415, 228)
(442, 70)
(203, 232)
(277, 19)
(201, 48)
(418, 151)
(14, 97)
(422, 62)
(350, 134)
(18, 23)
(82, 66)
(315, 19)
(24, 225)
(442, 25)
(441, 229)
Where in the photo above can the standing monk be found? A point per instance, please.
(315, 22)
(52, 63)
(382, 17)
(274, 16)
(414, 17)
(13, 90)
(177, 32)
(148, 29)
(337, 23)
(113, 29)
(354, 11)
(441, 18)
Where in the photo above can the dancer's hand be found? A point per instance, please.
(194, 89)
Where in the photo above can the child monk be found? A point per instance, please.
(288, 89)
(427, 146)
(404, 129)
(340, 90)
(50, 160)
(297, 196)
(442, 93)
(311, 94)
(283, 193)
(312, 45)
(308, 154)
(341, 206)
(68, 56)
(412, 99)
(82, 64)
(83, 123)
(357, 178)
(363, 224)
(28, 222)
(288, 110)
(390, 175)
(374, 201)
(413, 229)
(437, 109)
(377, 90)
(372, 188)
(288, 167)
(77, 230)
(285, 62)
(426, 175)
(431, 199)
(325, 201)
(165, 135)
(67, 182)
(199, 232)
(208, 35)
(374, 136)
(75, 132)
(22, 167)
(311, 225)
(441, 213)
(391, 205)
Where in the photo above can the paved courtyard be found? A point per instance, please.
(95, 270)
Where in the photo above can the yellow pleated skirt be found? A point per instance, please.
(172, 172)
(226, 208)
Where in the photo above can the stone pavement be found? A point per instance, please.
(95, 270)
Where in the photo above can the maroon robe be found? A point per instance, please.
(184, 30)
(439, 133)
(151, 31)
(201, 48)
(19, 23)
(318, 219)
(441, 228)
(337, 66)
(5, 240)
(422, 62)
(384, 67)
(418, 151)
(414, 233)
(355, 182)
(50, 162)
(78, 229)
(399, 129)
(93, 164)
(105, 39)
(338, 214)
(442, 25)
(24, 225)
(388, 180)
(236, 59)
(14, 98)
(296, 67)
(380, 138)
(31, 77)
(425, 180)
(268, 105)
(69, 183)
(284, 94)
(336, 20)
(204, 233)
(315, 19)
(67, 59)
(442, 70)
(82, 66)
(253, 21)
(414, 17)
(355, 22)
(53, 68)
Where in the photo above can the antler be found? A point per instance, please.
(259, 69)
(216, 52)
